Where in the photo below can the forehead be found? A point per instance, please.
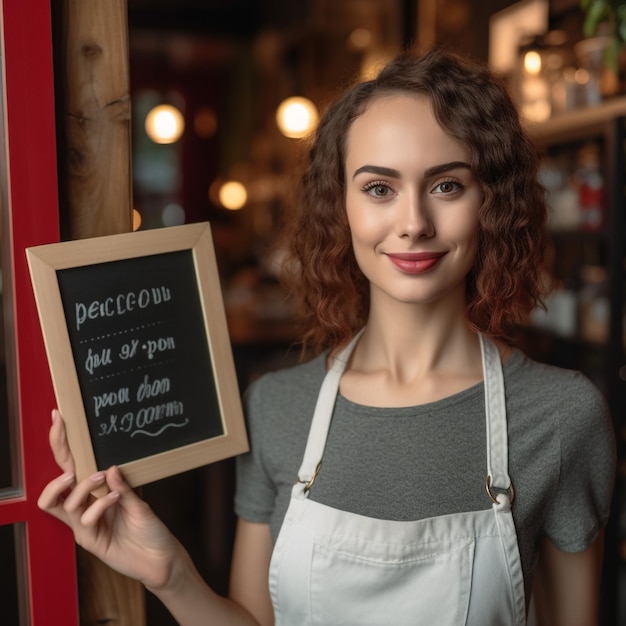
(401, 125)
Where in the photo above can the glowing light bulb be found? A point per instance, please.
(165, 124)
(232, 195)
(532, 62)
(296, 117)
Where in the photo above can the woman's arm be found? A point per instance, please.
(249, 601)
(122, 530)
(566, 585)
(249, 585)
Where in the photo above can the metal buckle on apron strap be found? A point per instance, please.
(309, 484)
(490, 493)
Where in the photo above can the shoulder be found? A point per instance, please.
(561, 405)
(562, 452)
(530, 384)
(282, 385)
(284, 399)
(278, 409)
(562, 413)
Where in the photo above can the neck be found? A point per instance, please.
(418, 340)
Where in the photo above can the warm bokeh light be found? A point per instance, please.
(205, 122)
(360, 38)
(296, 117)
(232, 195)
(581, 76)
(532, 62)
(214, 191)
(537, 110)
(372, 63)
(136, 219)
(165, 124)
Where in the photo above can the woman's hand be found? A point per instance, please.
(119, 528)
(122, 530)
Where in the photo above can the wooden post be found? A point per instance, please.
(94, 109)
(95, 182)
(106, 597)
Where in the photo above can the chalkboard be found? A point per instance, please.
(138, 349)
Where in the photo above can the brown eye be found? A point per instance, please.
(448, 186)
(377, 190)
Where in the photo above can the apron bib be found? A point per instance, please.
(332, 567)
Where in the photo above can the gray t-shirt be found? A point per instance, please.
(411, 463)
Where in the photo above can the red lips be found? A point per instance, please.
(415, 262)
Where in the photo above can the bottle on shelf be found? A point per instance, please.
(562, 195)
(590, 184)
(594, 305)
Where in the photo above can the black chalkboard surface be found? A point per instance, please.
(138, 350)
(144, 366)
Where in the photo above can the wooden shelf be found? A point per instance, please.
(577, 124)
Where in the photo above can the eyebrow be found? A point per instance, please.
(393, 173)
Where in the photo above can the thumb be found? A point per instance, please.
(129, 500)
(59, 445)
(115, 482)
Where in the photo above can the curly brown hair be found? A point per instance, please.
(473, 106)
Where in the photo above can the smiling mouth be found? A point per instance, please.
(417, 262)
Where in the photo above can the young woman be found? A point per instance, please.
(419, 470)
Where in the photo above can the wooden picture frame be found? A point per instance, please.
(139, 351)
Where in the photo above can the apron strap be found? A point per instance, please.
(495, 417)
(323, 415)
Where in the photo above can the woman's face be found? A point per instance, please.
(412, 202)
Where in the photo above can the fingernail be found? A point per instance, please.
(113, 495)
(55, 415)
(67, 477)
(97, 477)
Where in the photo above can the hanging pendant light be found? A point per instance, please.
(296, 117)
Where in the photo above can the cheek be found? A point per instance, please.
(466, 224)
(364, 225)
(460, 227)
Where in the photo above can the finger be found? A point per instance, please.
(79, 498)
(50, 499)
(129, 500)
(59, 444)
(96, 510)
(116, 482)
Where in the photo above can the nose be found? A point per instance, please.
(414, 219)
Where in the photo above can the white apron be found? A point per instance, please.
(333, 567)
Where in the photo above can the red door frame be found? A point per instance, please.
(33, 207)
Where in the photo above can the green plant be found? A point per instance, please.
(612, 12)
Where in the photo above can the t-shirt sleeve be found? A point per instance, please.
(581, 503)
(255, 492)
